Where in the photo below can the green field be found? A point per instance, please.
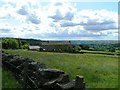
(101, 52)
(8, 80)
(99, 71)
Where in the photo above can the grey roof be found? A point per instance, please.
(56, 42)
(34, 47)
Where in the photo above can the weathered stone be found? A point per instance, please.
(5, 57)
(79, 83)
(41, 65)
(10, 56)
(16, 63)
(68, 86)
(37, 66)
(50, 73)
(64, 78)
(61, 79)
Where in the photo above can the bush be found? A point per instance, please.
(9, 43)
(77, 49)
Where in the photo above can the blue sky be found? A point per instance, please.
(61, 20)
(111, 6)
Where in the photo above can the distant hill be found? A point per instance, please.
(94, 42)
(99, 45)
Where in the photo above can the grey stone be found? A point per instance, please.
(50, 73)
(68, 86)
(64, 78)
(61, 79)
(79, 83)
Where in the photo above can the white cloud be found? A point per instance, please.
(56, 20)
(33, 19)
(23, 10)
(60, 11)
(6, 11)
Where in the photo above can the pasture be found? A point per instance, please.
(99, 71)
(8, 80)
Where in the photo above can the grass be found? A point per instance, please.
(0, 78)
(8, 80)
(99, 71)
(101, 52)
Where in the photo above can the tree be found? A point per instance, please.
(20, 44)
(70, 49)
(77, 49)
(84, 47)
(112, 49)
(25, 46)
(9, 43)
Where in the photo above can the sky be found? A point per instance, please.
(61, 20)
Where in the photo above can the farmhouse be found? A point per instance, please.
(35, 48)
(58, 46)
(55, 42)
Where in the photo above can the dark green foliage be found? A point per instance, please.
(25, 46)
(84, 47)
(94, 45)
(76, 49)
(70, 49)
(61, 48)
(31, 41)
(11, 43)
(97, 45)
(67, 48)
(20, 44)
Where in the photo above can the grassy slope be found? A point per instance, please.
(100, 71)
(101, 52)
(8, 80)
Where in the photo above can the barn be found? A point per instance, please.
(34, 48)
(57, 46)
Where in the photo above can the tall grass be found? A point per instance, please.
(8, 80)
(99, 71)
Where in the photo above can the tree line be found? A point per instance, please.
(15, 43)
(11, 43)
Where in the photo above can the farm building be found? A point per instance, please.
(58, 46)
(35, 48)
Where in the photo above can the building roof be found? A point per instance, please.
(56, 42)
(34, 47)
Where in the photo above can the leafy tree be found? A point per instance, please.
(70, 49)
(85, 47)
(25, 46)
(9, 43)
(20, 44)
(112, 49)
(77, 49)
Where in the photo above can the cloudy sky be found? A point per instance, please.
(61, 20)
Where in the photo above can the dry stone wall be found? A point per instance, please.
(36, 75)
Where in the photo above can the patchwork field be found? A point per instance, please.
(99, 71)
